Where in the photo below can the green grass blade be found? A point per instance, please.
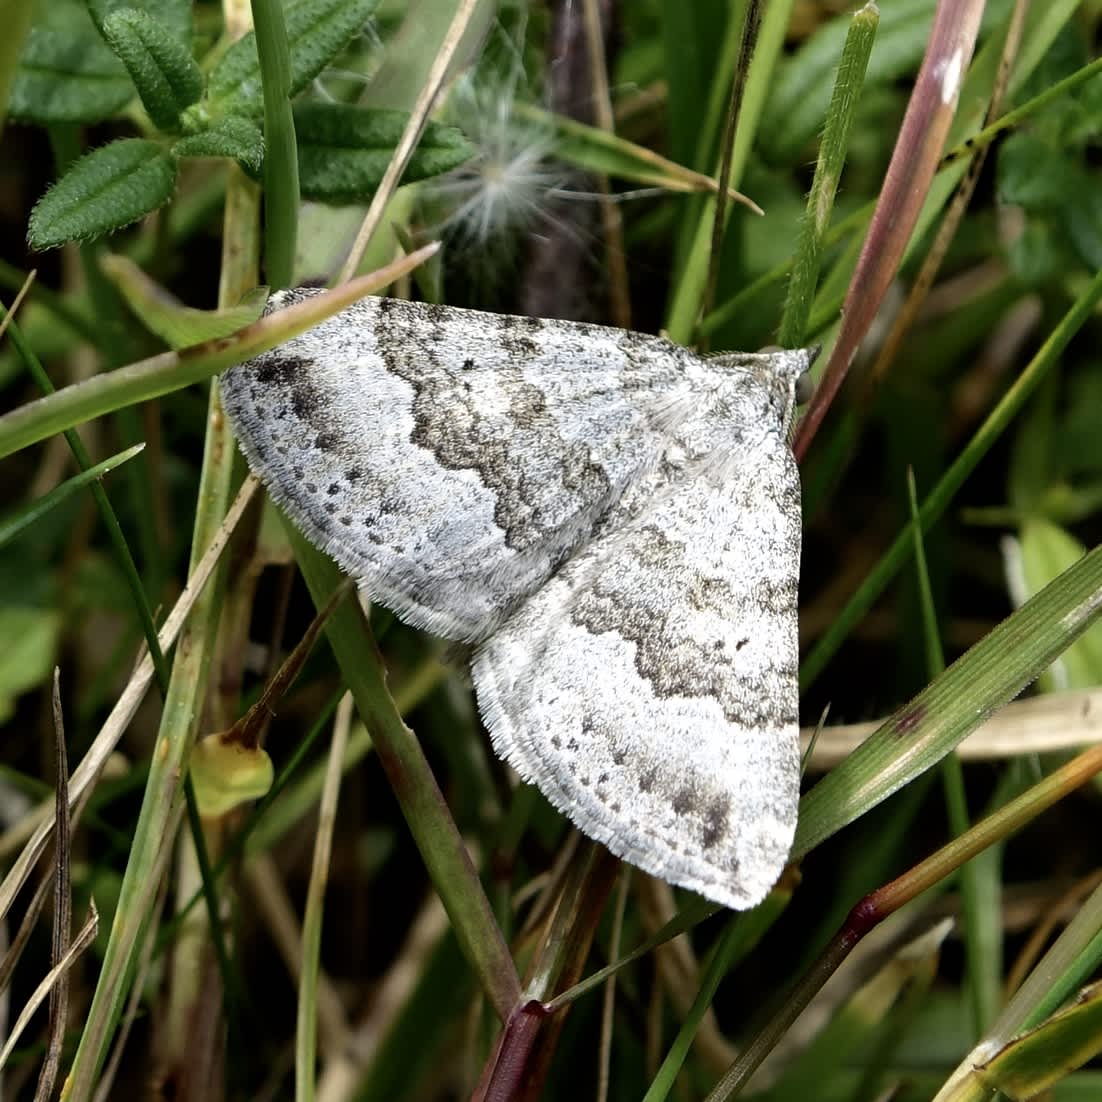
(828, 173)
(32, 511)
(922, 732)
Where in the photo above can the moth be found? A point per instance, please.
(611, 520)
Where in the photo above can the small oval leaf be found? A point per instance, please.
(227, 774)
(105, 190)
(344, 150)
(163, 71)
(235, 137)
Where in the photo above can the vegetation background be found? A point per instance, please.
(258, 939)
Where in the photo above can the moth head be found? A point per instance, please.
(780, 383)
(805, 384)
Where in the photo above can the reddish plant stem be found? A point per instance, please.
(906, 184)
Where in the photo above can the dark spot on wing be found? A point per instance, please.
(715, 820)
(684, 800)
(281, 369)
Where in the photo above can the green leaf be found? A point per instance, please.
(596, 150)
(344, 150)
(68, 74)
(163, 71)
(1081, 217)
(1046, 551)
(227, 774)
(1029, 1065)
(1036, 255)
(235, 136)
(1032, 174)
(28, 514)
(317, 30)
(103, 191)
(177, 325)
(30, 636)
(922, 732)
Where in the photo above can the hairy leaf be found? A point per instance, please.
(235, 137)
(317, 30)
(163, 70)
(344, 150)
(105, 190)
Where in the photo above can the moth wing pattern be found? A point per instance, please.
(450, 460)
(649, 689)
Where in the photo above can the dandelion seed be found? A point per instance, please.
(509, 187)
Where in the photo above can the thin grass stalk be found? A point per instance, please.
(925, 729)
(1007, 122)
(40, 824)
(39, 995)
(718, 94)
(695, 911)
(828, 173)
(274, 909)
(952, 779)
(60, 306)
(740, 935)
(12, 311)
(356, 1059)
(689, 285)
(931, 265)
(115, 534)
(306, 1031)
(133, 1002)
(751, 27)
(612, 223)
(29, 514)
(608, 998)
(281, 190)
(910, 174)
(63, 903)
(13, 949)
